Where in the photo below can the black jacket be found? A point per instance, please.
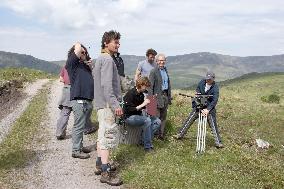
(119, 64)
(132, 99)
(81, 79)
(214, 90)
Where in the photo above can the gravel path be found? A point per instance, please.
(54, 167)
(31, 90)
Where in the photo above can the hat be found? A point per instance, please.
(210, 75)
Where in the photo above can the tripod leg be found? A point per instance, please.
(204, 133)
(198, 132)
(189, 121)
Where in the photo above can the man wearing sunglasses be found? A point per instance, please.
(81, 95)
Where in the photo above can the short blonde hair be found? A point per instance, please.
(142, 81)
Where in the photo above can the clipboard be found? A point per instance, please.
(151, 108)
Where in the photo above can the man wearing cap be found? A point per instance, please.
(206, 86)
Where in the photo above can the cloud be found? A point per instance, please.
(241, 27)
(76, 14)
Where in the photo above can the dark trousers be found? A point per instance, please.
(211, 119)
(162, 114)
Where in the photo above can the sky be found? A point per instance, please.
(47, 29)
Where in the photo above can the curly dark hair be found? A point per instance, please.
(151, 51)
(108, 36)
(71, 50)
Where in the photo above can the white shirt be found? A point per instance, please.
(207, 87)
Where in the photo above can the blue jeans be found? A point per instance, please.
(156, 124)
(149, 126)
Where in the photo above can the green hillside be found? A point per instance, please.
(15, 60)
(184, 70)
(22, 74)
(242, 118)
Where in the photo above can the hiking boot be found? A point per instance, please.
(110, 178)
(86, 149)
(99, 171)
(218, 146)
(80, 155)
(177, 136)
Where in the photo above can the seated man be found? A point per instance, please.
(134, 103)
(206, 86)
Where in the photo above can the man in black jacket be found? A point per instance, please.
(206, 86)
(81, 95)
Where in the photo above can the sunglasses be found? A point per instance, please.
(83, 52)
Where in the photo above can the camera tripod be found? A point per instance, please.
(201, 102)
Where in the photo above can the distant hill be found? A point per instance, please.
(59, 62)
(185, 70)
(15, 60)
(249, 76)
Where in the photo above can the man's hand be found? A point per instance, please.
(90, 64)
(118, 111)
(204, 112)
(79, 51)
(146, 101)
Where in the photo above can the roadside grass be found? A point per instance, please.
(15, 151)
(22, 74)
(242, 118)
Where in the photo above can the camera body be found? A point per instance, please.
(200, 101)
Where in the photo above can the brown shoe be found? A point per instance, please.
(80, 155)
(86, 150)
(98, 170)
(111, 179)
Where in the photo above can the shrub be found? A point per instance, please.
(273, 98)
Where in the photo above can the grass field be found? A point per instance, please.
(242, 118)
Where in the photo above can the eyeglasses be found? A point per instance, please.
(162, 60)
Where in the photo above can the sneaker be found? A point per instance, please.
(91, 130)
(80, 155)
(218, 146)
(177, 136)
(86, 150)
(99, 171)
(111, 179)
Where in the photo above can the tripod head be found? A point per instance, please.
(199, 100)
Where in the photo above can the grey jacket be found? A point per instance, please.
(107, 89)
(156, 87)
